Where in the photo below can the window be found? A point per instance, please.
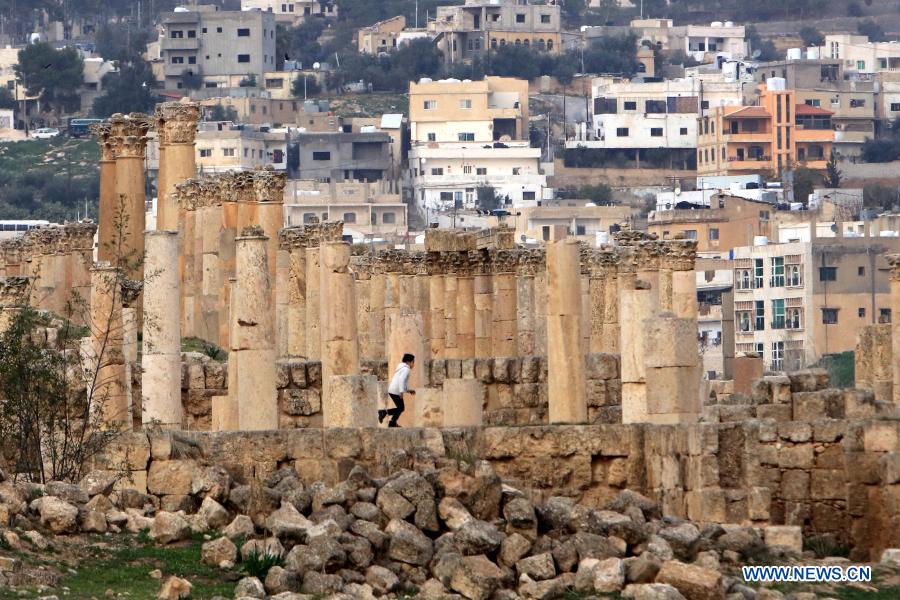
(884, 315)
(743, 280)
(203, 30)
(827, 274)
(446, 196)
(432, 137)
(777, 356)
(793, 319)
(793, 276)
(829, 316)
(470, 196)
(389, 218)
(349, 217)
(243, 32)
(218, 30)
(517, 171)
(757, 273)
(760, 316)
(192, 60)
(467, 169)
(308, 217)
(243, 58)
(713, 233)
(465, 103)
(545, 18)
(861, 312)
(777, 265)
(465, 136)
(745, 323)
(275, 83)
(520, 17)
(437, 171)
(861, 65)
(682, 131)
(813, 102)
(177, 60)
(227, 151)
(528, 196)
(655, 106)
(630, 105)
(656, 132)
(430, 104)
(622, 131)
(192, 33)
(481, 170)
(861, 271)
(895, 106)
(205, 152)
(321, 155)
(778, 314)
(176, 35)
(690, 234)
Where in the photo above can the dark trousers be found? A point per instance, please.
(395, 412)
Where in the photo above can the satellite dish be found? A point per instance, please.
(756, 53)
(678, 191)
(316, 66)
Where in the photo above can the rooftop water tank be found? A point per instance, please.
(795, 53)
(776, 84)
(729, 23)
(716, 24)
(760, 240)
(812, 53)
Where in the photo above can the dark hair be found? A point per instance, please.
(408, 358)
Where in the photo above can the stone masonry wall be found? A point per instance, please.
(516, 388)
(833, 477)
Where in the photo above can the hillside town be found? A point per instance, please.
(481, 299)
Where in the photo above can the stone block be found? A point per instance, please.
(429, 409)
(467, 368)
(795, 485)
(602, 366)
(809, 406)
(881, 437)
(533, 369)
(890, 468)
(216, 375)
(799, 456)
(828, 431)
(787, 536)
(828, 484)
(664, 342)
(706, 505)
(759, 502)
(673, 390)
(298, 374)
(170, 476)
(300, 402)
(746, 370)
(501, 370)
(795, 431)
(462, 403)
(702, 471)
(778, 412)
(484, 370)
(351, 401)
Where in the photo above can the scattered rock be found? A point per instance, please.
(174, 588)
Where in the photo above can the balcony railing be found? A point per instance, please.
(749, 158)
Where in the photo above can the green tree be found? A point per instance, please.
(223, 113)
(811, 36)
(766, 48)
(872, 30)
(54, 75)
(128, 90)
(7, 100)
(598, 194)
(805, 181)
(306, 85)
(833, 175)
(487, 198)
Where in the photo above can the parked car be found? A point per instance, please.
(45, 133)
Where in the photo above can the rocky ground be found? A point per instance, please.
(448, 530)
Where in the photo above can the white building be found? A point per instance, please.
(293, 10)
(861, 55)
(718, 38)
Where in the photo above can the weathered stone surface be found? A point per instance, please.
(609, 575)
(476, 578)
(249, 587)
(692, 581)
(538, 567)
(57, 515)
(408, 544)
(218, 551)
(169, 527)
(175, 588)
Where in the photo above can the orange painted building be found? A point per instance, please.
(764, 139)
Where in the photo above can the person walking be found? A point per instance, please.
(399, 386)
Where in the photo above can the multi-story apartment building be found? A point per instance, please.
(382, 36)
(764, 139)
(222, 47)
(292, 11)
(467, 135)
(632, 118)
(368, 210)
(716, 39)
(821, 83)
(464, 31)
(341, 157)
(860, 55)
(795, 303)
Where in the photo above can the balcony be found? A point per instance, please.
(179, 44)
(813, 135)
(756, 137)
(751, 163)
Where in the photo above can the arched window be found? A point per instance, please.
(518, 42)
(526, 43)
(349, 217)
(549, 45)
(494, 44)
(793, 318)
(542, 45)
(502, 42)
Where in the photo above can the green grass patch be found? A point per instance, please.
(192, 344)
(126, 569)
(64, 155)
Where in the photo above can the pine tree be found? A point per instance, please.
(833, 175)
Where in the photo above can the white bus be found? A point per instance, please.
(11, 229)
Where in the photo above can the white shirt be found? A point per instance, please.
(400, 380)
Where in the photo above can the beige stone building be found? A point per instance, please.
(380, 37)
(293, 11)
(798, 302)
(729, 222)
(367, 210)
(578, 219)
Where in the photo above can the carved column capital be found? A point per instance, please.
(504, 261)
(293, 238)
(103, 133)
(269, 185)
(679, 255)
(176, 122)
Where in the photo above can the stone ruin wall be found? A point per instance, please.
(830, 476)
(59, 260)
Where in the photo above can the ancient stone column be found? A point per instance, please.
(268, 187)
(636, 304)
(483, 296)
(313, 308)
(129, 133)
(672, 366)
(436, 299)
(504, 303)
(293, 242)
(377, 341)
(161, 357)
(393, 267)
(565, 354)
(526, 268)
(599, 281)
(894, 262)
(541, 300)
(251, 362)
(681, 256)
(13, 297)
(107, 379)
(465, 307)
(408, 336)
(176, 126)
(109, 201)
(340, 345)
